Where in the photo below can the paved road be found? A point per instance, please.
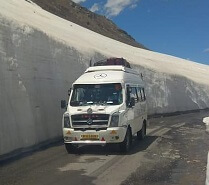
(174, 152)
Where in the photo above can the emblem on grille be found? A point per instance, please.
(89, 111)
(89, 121)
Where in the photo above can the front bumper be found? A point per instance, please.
(101, 137)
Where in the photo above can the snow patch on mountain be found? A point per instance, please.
(29, 15)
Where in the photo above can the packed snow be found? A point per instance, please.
(206, 121)
(207, 173)
(88, 42)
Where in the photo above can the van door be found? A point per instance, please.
(142, 107)
(133, 113)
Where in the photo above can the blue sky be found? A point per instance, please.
(175, 27)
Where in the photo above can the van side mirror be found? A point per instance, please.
(132, 102)
(129, 90)
(63, 104)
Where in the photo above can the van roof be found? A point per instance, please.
(111, 68)
(109, 74)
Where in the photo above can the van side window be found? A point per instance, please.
(134, 94)
(139, 93)
(128, 90)
(144, 96)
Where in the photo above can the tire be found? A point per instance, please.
(126, 144)
(142, 133)
(70, 148)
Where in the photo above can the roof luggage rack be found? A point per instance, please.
(113, 61)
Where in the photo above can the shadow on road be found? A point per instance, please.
(113, 149)
(139, 146)
(24, 152)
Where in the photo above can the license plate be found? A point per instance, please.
(89, 137)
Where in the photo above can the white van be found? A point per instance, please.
(107, 104)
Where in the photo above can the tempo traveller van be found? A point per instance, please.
(107, 104)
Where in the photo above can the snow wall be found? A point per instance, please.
(35, 73)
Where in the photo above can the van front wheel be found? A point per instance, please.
(126, 144)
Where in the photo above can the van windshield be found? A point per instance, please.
(99, 94)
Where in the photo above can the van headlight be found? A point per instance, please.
(66, 121)
(114, 120)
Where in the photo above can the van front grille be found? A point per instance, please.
(90, 120)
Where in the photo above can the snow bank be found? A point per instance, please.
(42, 54)
(207, 173)
(206, 121)
(89, 42)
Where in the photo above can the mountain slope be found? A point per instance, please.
(85, 18)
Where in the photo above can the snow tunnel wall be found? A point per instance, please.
(35, 73)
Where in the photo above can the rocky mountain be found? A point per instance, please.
(73, 12)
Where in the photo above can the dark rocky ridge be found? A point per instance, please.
(73, 12)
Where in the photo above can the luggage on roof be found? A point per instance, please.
(113, 61)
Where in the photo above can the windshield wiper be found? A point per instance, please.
(109, 102)
(89, 102)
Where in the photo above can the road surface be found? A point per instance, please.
(174, 152)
